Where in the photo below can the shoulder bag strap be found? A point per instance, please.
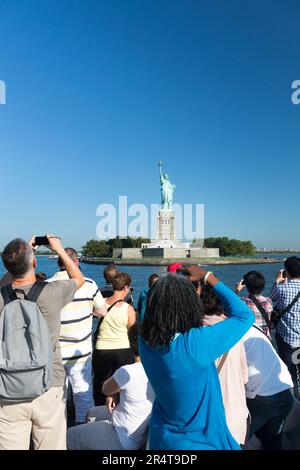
(222, 361)
(262, 331)
(262, 311)
(100, 319)
(112, 305)
(284, 311)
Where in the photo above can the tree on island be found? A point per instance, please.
(96, 248)
(230, 247)
(104, 248)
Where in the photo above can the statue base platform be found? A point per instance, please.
(166, 225)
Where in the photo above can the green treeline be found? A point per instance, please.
(230, 247)
(104, 248)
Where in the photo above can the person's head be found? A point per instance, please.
(72, 254)
(254, 282)
(109, 273)
(172, 268)
(41, 276)
(18, 258)
(210, 302)
(121, 284)
(152, 280)
(133, 336)
(292, 267)
(173, 306)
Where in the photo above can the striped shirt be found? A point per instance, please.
(76, 321)
(288, 327)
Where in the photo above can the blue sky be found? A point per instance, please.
(99, 91)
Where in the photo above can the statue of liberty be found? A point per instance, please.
(166, 190)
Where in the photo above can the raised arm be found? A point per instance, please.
(71, 268)
(274, 294)
(207, 343)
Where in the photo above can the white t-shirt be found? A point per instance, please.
(131, 415)
(268, 374)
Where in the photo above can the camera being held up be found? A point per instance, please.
(41, 241)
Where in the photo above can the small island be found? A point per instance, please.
(231, 252)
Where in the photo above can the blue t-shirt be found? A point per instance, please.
(188, 412)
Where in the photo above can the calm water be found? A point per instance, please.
(230, 275)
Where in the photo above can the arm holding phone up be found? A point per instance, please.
(55, 245)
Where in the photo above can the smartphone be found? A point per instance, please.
(41, 241)
(283, 273)
(243, 282)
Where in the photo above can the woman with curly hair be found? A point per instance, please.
(178, 355)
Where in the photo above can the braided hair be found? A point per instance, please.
(173, 306)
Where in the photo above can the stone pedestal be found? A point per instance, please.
(165, 225)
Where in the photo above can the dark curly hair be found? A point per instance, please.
(173, 306)
(210, 302)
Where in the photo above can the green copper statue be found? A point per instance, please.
(166, 189)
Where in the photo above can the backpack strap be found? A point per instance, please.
(35, 291)
(8, 294)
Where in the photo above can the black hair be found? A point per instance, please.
(133, 336)
(173, 306)
(152, 279)
(17, 257)
(210, 302)
(292, 266)
(41, 276)
(255, 282)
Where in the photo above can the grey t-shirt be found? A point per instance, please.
(51, 301)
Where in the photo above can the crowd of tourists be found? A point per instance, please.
(195, 366)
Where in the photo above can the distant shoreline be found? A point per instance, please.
(166, 262)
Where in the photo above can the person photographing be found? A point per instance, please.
(29, 408)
